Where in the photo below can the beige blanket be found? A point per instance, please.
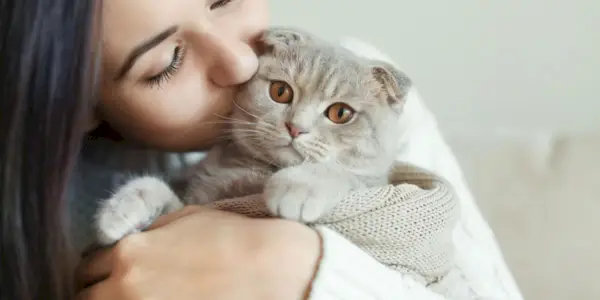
(406, 225)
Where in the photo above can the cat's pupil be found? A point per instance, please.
(280, 91)
(341, 112)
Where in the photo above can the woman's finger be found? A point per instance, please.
(95, 267)
(166, 219)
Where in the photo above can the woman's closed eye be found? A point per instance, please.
(170, 70)
(178, 56)
(219, 4)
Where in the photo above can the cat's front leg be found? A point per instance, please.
(308, 192)
(133, 207)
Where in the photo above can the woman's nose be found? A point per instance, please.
(229, 61)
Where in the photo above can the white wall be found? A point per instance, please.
(495, 64)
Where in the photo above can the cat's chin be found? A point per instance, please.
(286, 156)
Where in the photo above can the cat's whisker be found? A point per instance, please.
(244, 135)
(274, 133)
(239, 121)
(266, 132)
(267, 125)
(224, 117)
(229, 120)
(254, 111)
(236, 131)
(251, 134)
(317, 149)
(253, 128)
(264, 143)
(259, 141)
(257, 119)
(229, 123)
(250, 108)
(232, 121)
(245, 111)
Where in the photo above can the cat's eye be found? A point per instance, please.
(281, 92)
(339, 113)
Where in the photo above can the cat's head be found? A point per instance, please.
(314, 101)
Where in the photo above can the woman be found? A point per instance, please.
(164, 72)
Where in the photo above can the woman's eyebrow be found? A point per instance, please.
(142, 48)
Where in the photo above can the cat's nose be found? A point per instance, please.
(294, 130)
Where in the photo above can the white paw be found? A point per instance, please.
(133, 208)
(297, 194)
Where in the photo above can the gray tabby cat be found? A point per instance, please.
(314, 123)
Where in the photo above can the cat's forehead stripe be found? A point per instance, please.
(321, 71)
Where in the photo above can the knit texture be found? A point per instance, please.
(406, 225)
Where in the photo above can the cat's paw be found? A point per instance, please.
(297, 194)
(133, 208)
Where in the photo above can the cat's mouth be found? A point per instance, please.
(287, 154)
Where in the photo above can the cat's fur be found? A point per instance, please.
(302, 178)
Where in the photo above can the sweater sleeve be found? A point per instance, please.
(348, 273)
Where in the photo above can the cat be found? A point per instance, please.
(315, 123)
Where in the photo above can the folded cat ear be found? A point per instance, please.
(276, 38)
(394, 83)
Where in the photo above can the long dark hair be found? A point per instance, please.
(47, 73)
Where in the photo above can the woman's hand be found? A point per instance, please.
(200, 253)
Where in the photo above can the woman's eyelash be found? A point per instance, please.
(169, 71)
(220, 4)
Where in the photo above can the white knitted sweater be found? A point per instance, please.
(406, 225)
(479, 271)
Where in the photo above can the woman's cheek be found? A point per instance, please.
(184, 114)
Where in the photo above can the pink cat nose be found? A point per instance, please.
(294, 130)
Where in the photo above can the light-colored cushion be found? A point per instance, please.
(540, 194)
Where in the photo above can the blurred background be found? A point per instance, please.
(514, 85)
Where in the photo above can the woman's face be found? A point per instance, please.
(171, 68)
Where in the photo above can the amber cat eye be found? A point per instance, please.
(339, 113)
(281, 92)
